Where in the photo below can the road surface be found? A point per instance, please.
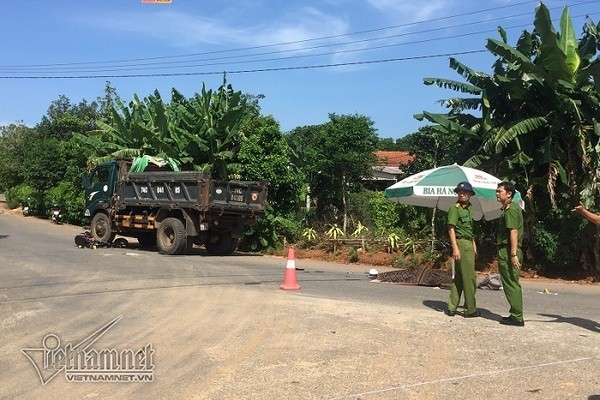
(220, 328)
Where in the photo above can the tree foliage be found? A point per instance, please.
(538, 124)
(36, 161)
(64, 118)
(336, 157)
(265, 155)
(13, 144)
(200, 133)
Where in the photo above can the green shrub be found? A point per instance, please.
(21, 193)
(400, 261)
(384, 213)
(269, 233)
(70, 198)
(544, 243)
(359, 208)
(557, 240)
(353, 255)
(310, 235)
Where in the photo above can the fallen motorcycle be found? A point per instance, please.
(56, 214)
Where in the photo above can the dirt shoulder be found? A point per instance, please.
(384, 261)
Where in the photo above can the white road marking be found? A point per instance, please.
(457, 378)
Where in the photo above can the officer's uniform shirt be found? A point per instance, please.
(511, 218)
(461, 218)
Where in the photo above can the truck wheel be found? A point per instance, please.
(189, 246)
(101, 228)
(147, 239)
(171, 237)
(222, 245)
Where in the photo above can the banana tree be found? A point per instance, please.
(137, 129)
(537, 109)
(202, 133)
(539, 116)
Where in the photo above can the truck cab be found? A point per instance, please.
(99, 186)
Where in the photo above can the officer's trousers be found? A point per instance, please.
(510, 282)
(464, 278)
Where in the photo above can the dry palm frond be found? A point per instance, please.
(529, 194)
(551, 184)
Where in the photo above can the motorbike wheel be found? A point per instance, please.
(221, 245)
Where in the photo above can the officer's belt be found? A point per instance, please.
(464, 238)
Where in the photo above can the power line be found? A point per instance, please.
(277, 59)
(170, 74)
(102, 72)
(303, 41)
(205, 64)
(170, 63)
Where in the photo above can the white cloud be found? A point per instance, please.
(300, 25)
(180, 30)
(414, 11)
(186, 30)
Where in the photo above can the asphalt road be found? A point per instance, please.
(220, 328)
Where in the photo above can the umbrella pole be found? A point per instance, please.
(433, 228)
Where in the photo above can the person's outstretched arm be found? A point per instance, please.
(581, 210)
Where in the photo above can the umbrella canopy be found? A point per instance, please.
(435, 188)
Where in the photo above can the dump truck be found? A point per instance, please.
(170, 209)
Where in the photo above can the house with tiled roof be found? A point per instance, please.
(388, 169)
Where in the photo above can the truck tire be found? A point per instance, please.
(189, 246)
(101, 228)
(147, 239)
(171, 237)
(221, 245)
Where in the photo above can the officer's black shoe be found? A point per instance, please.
(474, 315)
(513, 322)
(450, 313)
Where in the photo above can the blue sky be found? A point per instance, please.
(308, 58)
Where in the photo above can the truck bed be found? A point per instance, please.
(189, 189)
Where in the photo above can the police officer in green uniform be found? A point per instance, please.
(460, 231)
(510, 256)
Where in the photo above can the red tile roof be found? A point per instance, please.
(393, 158)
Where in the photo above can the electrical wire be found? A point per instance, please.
(102, 71)
(313, 55)
(345, 64)
(297, 41)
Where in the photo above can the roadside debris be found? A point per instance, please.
(491, 282)
(424, 276)
(372, 274)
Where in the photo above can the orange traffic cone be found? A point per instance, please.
(289, 280)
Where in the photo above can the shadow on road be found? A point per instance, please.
(440, 306)
(580, 322)
(194, 251)
(4, 236)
